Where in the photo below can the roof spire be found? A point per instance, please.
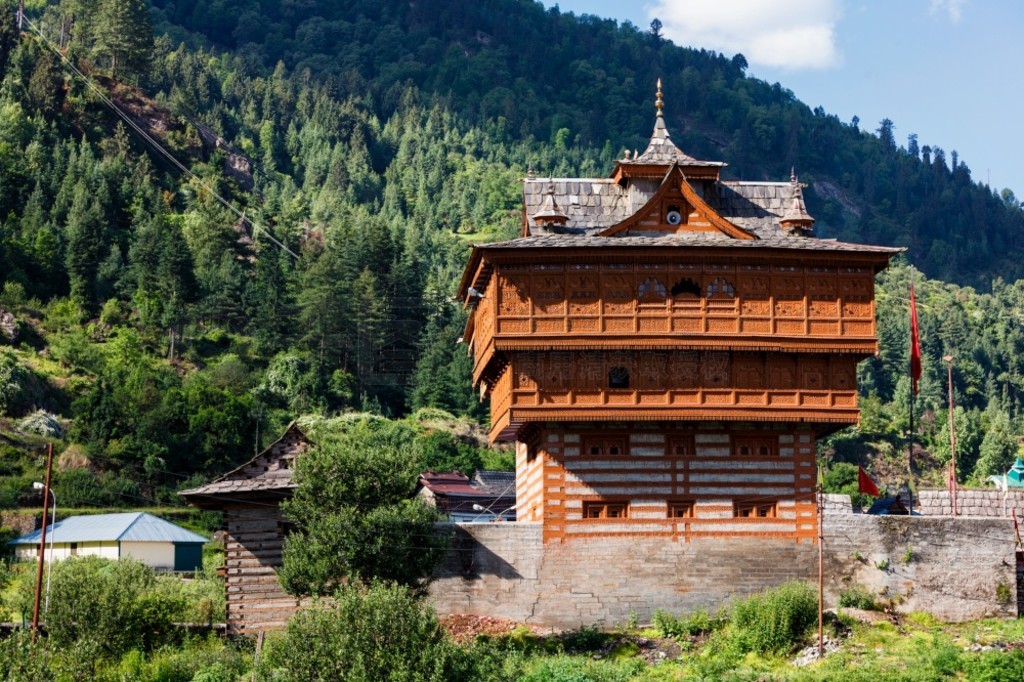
(549, 213)
(659, 103)
(795, 217)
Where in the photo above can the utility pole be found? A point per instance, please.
(21, 14)
(952, 437)
(42, 542)
(821, 567)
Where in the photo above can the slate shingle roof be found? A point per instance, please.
(271, 470)
(686, 240)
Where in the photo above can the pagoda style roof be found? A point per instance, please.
(593, 205)
(665, 198)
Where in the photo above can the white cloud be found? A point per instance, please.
(954, 8)
(794, 34)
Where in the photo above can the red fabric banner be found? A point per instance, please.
(865, 484)
(915, 343)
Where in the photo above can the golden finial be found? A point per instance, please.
(659, 103)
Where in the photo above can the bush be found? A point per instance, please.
(694, 625)
(107, 607)
(995, 666)
(857, 598)
(773, 622)
(376, 633)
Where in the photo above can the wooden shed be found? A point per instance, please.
(254, 532)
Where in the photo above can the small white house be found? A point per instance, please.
(159, 544)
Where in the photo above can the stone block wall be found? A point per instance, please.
(954, 570)
(981, 502)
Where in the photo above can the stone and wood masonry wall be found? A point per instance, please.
(955, 569)
(986, 502)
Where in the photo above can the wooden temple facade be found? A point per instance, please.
(665, 348)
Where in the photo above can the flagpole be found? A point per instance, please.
(913, 394)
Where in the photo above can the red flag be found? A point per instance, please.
(915, 343)
(865, 484)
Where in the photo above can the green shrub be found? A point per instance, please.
(109, 606)
(584, 638)
(774, 621)
(694, 625)
(376, 633)
(995, 666)
(573, 669)
(857, 598)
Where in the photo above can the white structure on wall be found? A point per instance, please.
(157, 543)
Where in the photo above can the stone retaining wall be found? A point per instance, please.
(951, 568)
(985, 502)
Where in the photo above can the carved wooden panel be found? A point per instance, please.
(617, 294)
(589, 370)
(583, 295)
(549, 295)
(812, 373)
(515, 297)
(749, 371)
(653, 369)
(714, 369)
(683, 369)
(526, 371)
(782, 372)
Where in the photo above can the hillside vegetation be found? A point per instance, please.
(363, 146)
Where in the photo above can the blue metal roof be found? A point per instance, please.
(128, 527)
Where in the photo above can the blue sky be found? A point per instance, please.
(947, 70)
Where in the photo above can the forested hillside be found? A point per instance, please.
(362, 146)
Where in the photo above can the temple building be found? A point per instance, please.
(665, 347)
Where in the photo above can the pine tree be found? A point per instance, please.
(123, 34)
(8, 38)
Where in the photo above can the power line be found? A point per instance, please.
(99, 92)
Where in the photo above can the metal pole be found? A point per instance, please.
(49, 564)
(42, 543)
(952, 437)
(821, 569)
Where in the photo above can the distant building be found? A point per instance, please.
(1014, 478)
(488, 496)
(159, 544)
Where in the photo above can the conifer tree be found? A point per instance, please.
(8, 38)
(122, 34)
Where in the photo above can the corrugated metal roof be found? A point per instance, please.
(127, 527)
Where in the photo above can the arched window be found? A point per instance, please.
(721, 288)
(652, 289)
(618, 377)
(685, 288)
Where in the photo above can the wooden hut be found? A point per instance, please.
(254, 532)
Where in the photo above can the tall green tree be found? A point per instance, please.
(356, 515)
(123, 36)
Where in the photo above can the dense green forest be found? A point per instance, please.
(360, 147)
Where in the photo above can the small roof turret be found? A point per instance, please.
(796, 216)
(550, 214)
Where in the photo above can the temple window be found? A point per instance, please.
(680, 509)
(720, 287)
(652, 290)
(604, 446)
(605, 510)
(748, 447)
(618, 377)
(754, 509)
(685, 288)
